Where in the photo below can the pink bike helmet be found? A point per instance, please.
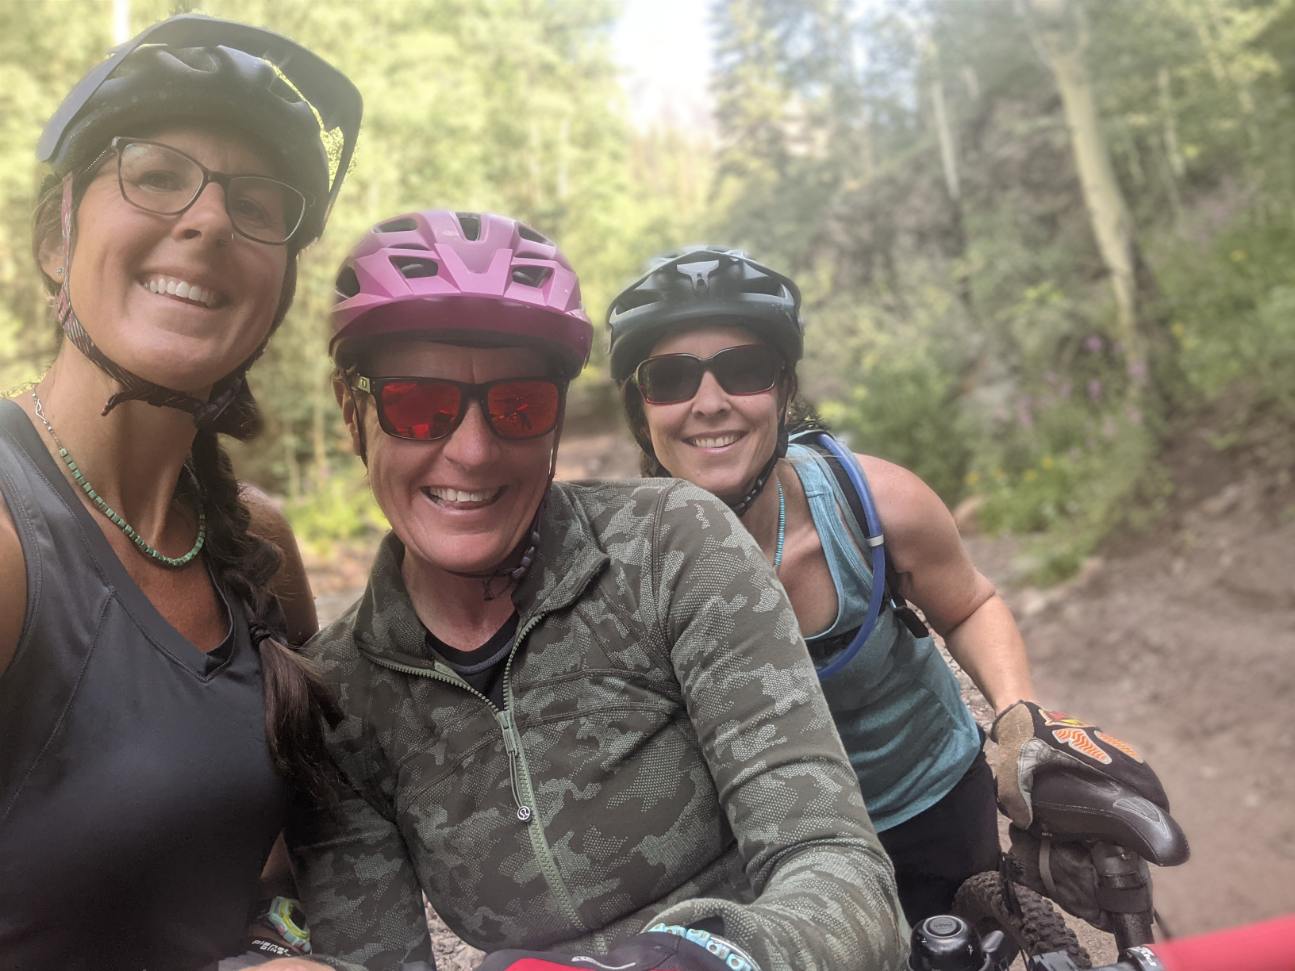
(461, 276)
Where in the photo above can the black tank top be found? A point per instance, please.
(138, 801)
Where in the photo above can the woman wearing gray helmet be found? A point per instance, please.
(152, 717)
(704, 348)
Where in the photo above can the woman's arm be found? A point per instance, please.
(357, 885)
(291, 585)
(937, 575)
(825, 891)
(13, 588)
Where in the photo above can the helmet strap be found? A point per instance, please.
(761, 479)
(135, 388)
(742, 505)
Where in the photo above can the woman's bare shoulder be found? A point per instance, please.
(291, 585)
(899, 491)
(267, 518)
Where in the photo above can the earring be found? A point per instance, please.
(59, 272)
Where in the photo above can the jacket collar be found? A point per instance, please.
(567, 559)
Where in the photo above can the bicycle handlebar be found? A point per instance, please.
(1265, 946)
(948, 943)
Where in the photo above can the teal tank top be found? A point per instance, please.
(896, 705)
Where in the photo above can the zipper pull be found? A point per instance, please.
(524, 812)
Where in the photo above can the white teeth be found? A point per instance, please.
(460, 495)
(182, 289)
(716, 441)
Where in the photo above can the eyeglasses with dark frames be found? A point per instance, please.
(164, 180)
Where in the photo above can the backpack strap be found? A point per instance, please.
(901, 608)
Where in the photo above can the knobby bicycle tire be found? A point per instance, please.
(1037, 929)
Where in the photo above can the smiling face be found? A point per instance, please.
(462, 503)
(180, 300)
(715, 439)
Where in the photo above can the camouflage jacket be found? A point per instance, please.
(664, 753)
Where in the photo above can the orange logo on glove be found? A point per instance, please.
(1051, 718)
(1120, 746)
(1079, 740)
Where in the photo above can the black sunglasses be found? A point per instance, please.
(744, 370)
(427, 409)
(164, 180)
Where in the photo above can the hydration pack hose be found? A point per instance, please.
(876, 548)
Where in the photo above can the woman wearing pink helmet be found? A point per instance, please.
(578, 717)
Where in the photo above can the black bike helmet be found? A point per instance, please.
(192, 68)
(703, 285)
(196, 69)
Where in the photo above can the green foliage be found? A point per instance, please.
(960, 318)
(1232, 307)
(1085, 469)
(960, 321)
(510, 107)
(337, 509)
(894, 388)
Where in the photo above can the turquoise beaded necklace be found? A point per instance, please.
(174, 562)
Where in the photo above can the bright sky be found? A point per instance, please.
(664, 49)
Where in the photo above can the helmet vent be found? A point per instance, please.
(765, 285)
(471, 224)
(405, 224)
(414, 267)
(348, 284)
(525, 232)
(635, 299)
(532, 276)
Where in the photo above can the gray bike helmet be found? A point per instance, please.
(697, 286)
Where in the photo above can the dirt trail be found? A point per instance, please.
(1181, 641)
(1185, 645)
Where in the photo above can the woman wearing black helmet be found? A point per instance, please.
(152, 717)
(704, 348)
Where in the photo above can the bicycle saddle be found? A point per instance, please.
(1070, 807)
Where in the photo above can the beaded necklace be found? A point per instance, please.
(174, 562)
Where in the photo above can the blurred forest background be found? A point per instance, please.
(1037, 238)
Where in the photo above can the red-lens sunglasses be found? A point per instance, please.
(427, 409)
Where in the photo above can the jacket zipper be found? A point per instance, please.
(518, 777)
(504, 718)
(512, 740)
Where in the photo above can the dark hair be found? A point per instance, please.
(243, 563)
(636, 418)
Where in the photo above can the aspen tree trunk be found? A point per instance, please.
(1059, 32)
(1176, 168)
(120, 21)
(952, 183)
